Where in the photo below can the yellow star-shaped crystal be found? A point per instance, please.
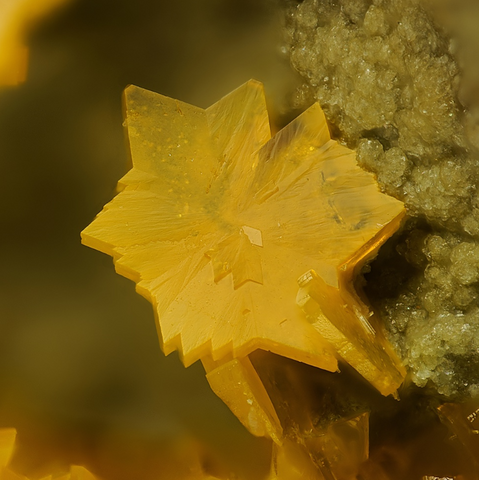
(217, 221)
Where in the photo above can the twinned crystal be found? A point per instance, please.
(217, 221)
(245, 242)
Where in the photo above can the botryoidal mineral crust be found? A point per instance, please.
(388, 81)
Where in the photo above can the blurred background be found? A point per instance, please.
(82, 377)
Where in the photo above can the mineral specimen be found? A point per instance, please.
(228, 231)
(217, 221)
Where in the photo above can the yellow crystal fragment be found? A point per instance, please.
(217, 221)
(239, 386)
(16, 16)
(7, 447)
(347, 324)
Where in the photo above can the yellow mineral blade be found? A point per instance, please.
(345, 322)
(239, 386)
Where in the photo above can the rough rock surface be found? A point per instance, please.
(390, 80)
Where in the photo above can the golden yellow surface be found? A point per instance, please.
(16, 16)
(217, 221)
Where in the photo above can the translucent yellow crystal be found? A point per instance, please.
(239, 386)
(217, 221)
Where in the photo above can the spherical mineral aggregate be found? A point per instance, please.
(389, 82)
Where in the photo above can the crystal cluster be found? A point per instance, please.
(247, 243)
